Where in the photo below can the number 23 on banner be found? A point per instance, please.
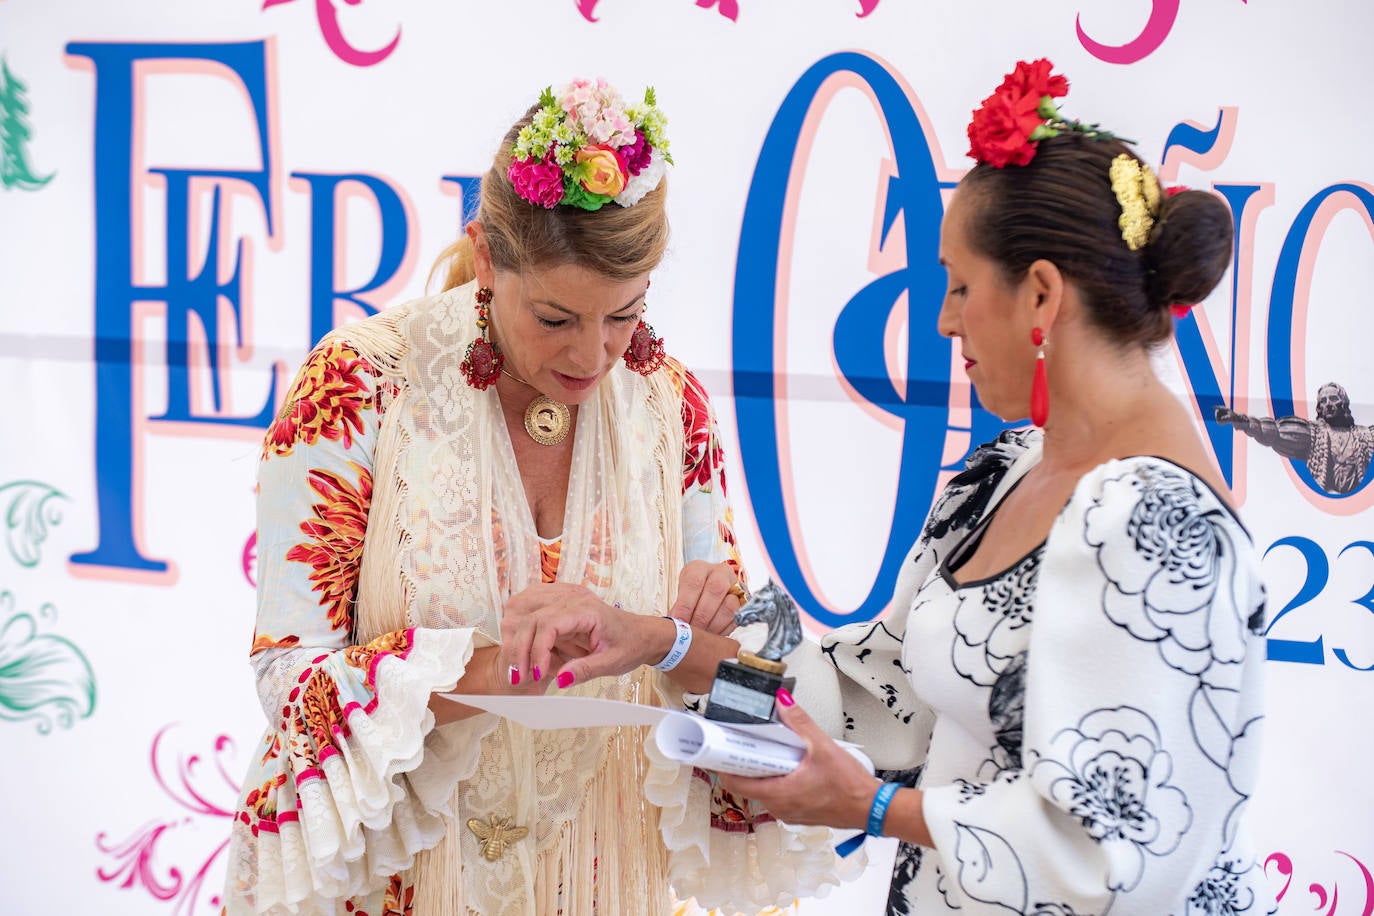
(1317, 574)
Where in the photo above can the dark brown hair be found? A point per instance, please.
(616, 242)
(1061, 208)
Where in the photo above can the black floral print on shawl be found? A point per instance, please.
(966, 496)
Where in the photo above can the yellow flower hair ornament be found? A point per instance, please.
(1137, 191)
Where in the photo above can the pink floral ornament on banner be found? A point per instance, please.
(727, 8)
(194, 790)
(328, 17)
(1163, 14)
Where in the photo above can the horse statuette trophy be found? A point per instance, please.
(745, 690)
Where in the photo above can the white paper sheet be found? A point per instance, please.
(745, 750)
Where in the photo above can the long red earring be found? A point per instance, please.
(481, 365)
(1040, 384)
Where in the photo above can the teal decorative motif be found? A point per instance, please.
(25, 508)
(15, 171)
(42, 677)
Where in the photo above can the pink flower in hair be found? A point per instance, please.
(540, 181)
(637, 154)
(576, 94)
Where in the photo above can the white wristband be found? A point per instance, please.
(681, 644)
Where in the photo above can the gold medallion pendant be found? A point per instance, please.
(547, 421)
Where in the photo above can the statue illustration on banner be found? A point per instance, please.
(1336, 450)
(15, 171)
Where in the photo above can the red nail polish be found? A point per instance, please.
(514, 675)
(537, 674)
(565, 679)
(785, 697)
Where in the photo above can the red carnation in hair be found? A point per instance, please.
(1035, 79)
(1003, 127)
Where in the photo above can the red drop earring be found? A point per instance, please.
(645, 352)
(481, 365)
(1040, 384)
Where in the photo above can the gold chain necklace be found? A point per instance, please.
(546, 420)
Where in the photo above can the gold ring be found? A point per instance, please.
(739, 591)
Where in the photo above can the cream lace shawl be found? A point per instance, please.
(446, 491)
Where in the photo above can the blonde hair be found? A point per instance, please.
(616, 242)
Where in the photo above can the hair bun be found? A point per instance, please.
(1189, 248)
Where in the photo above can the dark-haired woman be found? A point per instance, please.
(1067, 697)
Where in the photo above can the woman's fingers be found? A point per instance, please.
(620, 646)
(704, 597)
(828, 787)
(548, 626)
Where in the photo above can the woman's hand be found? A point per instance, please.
(829, 788)
(487, 674)
(567, 633)
(705, 598)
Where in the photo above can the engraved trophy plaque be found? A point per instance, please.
(746, 688)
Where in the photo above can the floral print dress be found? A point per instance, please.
(1096, 705)
(317, 466)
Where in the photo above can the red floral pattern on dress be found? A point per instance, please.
(322, 712)
(326, 400)
(263, 642)
(335, 548)
(274, 746)
(262, 802)
(399, 900)
(725, 529)
(361, 657)
(703, 460)
(732, 814)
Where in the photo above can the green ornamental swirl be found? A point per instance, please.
(42, 677)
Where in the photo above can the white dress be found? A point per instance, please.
(1084, 724)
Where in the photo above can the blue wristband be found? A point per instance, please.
(681, 644)
(878, 812)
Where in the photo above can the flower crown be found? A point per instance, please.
(585, 148)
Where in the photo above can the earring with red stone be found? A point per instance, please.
(481, 365)
(1040, 384)
(645, 352)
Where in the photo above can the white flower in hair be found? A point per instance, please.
(645, 181)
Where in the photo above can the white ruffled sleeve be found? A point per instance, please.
(355, 779)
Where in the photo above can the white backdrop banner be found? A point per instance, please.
(191, 194)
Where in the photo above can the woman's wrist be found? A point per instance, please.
(878, 808)
(661, 634)
(682, 644)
